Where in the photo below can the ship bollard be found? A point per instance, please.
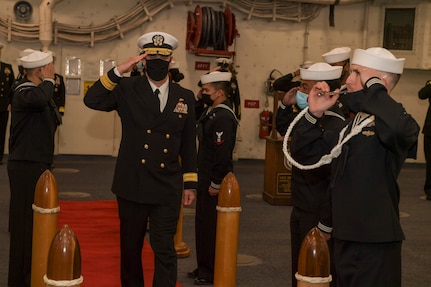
(180, 247)
(226, 250)
(64, 260)
(45, 220)
(314, 261)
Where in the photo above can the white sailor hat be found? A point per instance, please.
(224, 61)
(337, 55)
(36, 59)
(378, 58)
(321, 72)
(306, 64)
(158, 43)
(216, 76)
(25, 52)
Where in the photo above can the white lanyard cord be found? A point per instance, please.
(336, 150)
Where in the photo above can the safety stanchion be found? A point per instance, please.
(45, 220)
(228, 211)
(64, 260)
(314, 261)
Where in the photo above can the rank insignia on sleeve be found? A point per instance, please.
(219, 139)
(181, 107)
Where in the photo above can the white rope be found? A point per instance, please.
(45, 210)
(73, 282)
(287, 164)
(313, 280)
(228, 209)
(364, 120)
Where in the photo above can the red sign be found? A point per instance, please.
(202, 66)
(253, 104)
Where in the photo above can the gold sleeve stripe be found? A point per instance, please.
(107, 83)
(61, 109)
(190, 177)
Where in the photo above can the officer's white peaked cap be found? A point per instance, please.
(36, 59)
(158, 40)
(378, 58)
(216, 76)
(337, 55)
(321, 72)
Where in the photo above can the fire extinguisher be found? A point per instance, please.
(265, 124)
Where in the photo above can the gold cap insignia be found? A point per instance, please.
(158, 40)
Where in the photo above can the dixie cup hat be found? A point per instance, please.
(321, 72)
(224, 61)
(337, 55)
(25, 52)
(306, 64)
(36, 59)
(216, 76)
(378, 58)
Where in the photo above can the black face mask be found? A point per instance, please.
(206, 99)
(157, 69)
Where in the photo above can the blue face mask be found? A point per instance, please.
(301, 100)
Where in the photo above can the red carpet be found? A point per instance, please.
(97, 228)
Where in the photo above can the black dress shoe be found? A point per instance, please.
(193, 274)
(203, 281)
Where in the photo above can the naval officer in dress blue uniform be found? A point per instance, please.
(158, 132)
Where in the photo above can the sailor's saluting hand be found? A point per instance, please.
(128, 65)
